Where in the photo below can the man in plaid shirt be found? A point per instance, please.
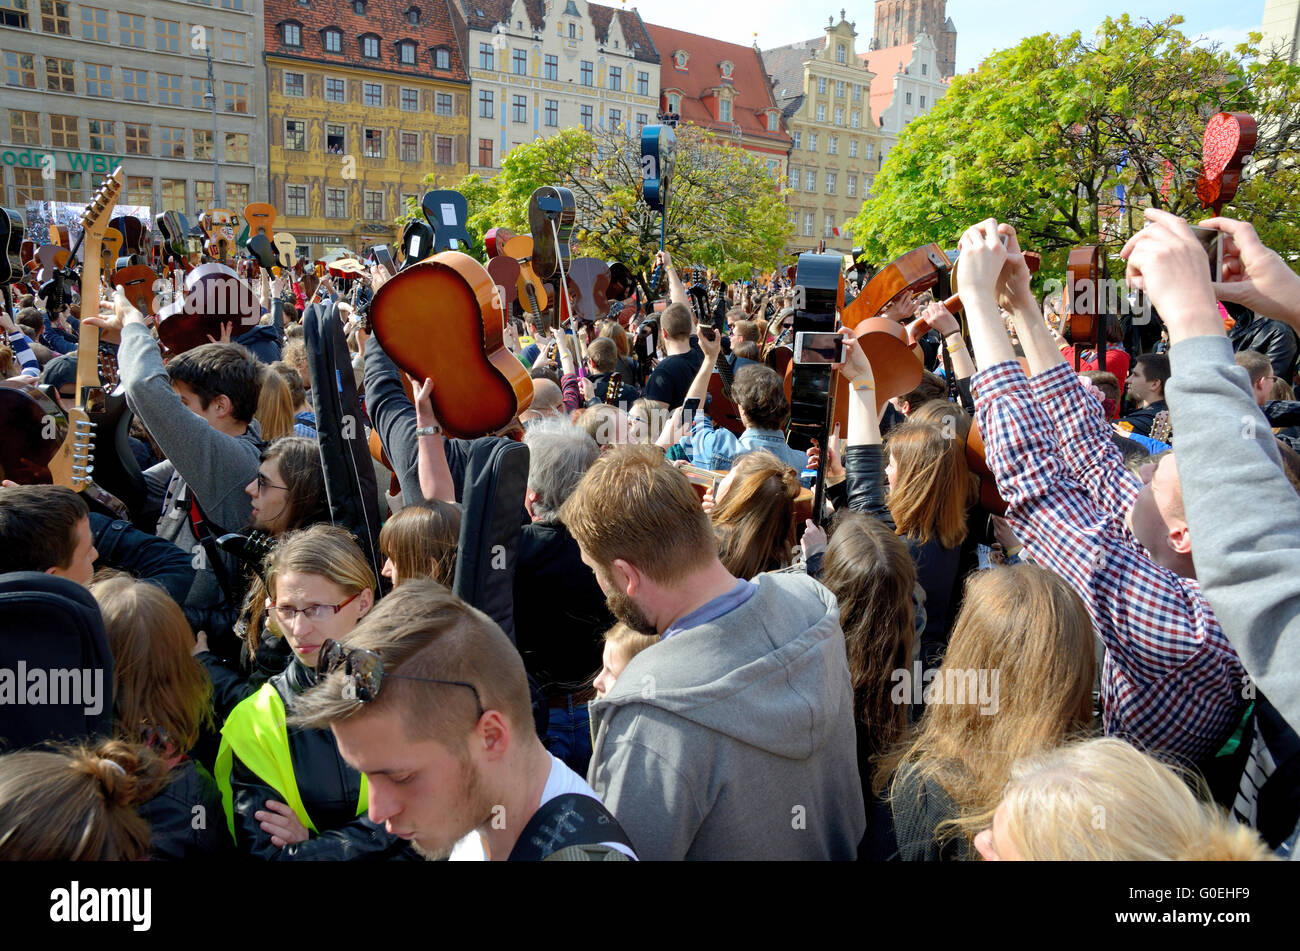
(1171, 681)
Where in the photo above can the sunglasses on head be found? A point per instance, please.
(365, 673)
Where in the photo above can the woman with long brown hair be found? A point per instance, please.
(274, 407)
(753, 514)
(161, 698)
(420, 541)
(1016, 681)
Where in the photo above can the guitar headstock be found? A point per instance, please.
(94, 220)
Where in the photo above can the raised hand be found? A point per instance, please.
(856, 366)
(983, 257)
(934, 317)
(226, 329)
(710, 344)
(1013, 283)
(1168, 262)
(1254, 275)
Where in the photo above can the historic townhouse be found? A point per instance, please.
(366, 98)
(92, 85)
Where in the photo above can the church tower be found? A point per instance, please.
(898, 22)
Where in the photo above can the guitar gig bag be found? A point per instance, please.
(344, 452)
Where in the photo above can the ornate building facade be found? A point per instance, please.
(365, 98)
(900, 22)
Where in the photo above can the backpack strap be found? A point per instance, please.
(566, 821)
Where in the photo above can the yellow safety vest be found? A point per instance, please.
(256, 731)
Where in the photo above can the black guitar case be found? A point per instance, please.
(52, 624)
(116, 469)
(345, 454)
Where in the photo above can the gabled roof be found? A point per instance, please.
(485, 14)
(383, 18)
(886, 64)
(753, 87)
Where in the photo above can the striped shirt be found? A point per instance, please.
(1171, 681)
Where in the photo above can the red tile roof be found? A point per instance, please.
(703, 75)
(386, 19)
(886, 64)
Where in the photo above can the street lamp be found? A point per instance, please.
(211, 97)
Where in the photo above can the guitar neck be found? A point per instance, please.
(88, 335)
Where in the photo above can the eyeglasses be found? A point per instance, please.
(365, 671)
(264, 483)
(312, 612)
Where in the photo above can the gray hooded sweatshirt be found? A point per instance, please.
(735, 739)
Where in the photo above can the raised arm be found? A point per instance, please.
(435, 475)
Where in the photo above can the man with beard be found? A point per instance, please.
(429, 699)
(733, 737)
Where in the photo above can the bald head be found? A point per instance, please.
(548, 399)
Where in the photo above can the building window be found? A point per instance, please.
(853, 148)
(485, 56)
(410, 146)
(406, 53)
(828, 226)
(58, 75)
(584, 116)
(28, 185)
(94, 24)
(552, 112)
(855, 118)
(203, 195)
(232, 5)
(203, 148)
(410, 100)
(821, 85)
(234, 46)
(922, 102)
(839, 89)
(852, 186)
(442, 150)
(518, 62)
(810, 181)
(519, 109)
(294, 85)
(370, 47)
(103, 135)
(833, 145)
(798, 139)
(839, 115)
(839, 53)
(615, 119)
(25, 127)
(372, 94)
(374, 206)
(295, 135)
(642, 83)
(373, 143)
(573, 29)
(236, 194)
(335, 139)
(173, 141)
(336, 90)
(908, 99)
(674, 102)
(130, 30)
(485, 104)
(333, 44)
(135, 85)
(54, 17)
(236, 97)
(335, 203)
(237, 147)
(413, 16)
(871, 150)
(139, 191)
(169, 90)
(68, 187)
(63, 132)
(724, 110)
(925, 68)
(551, 67)
(20, 69)
(137, 139)
(198, 92)
(808, 224)
(585, 71)
(616, 78)
(812, 141)
(441, 59)
(485, 152)
(830, 183)
(442, 104)
(13, 13)
(771, 122)
(642, 120)
(99, 80)
(821, 113)
(295, 200)
(359, 7)
(172, 194)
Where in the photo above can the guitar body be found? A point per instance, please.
(439, 319)
(49, 257)
(261, 251)
(551, 212)
(494, 241)
(622, 283)
(34, 427)
(1229, 138)
(589, 279)
(722, 409)
(505, 274)
(1084, 268)
(914, 272)
(446, 211)
(529, 290)
(134, 232)
(658, 156)
(112, 245)
(286, 248)
(214, 294)
(259, 218)
(175, 234)
(417, 242)
(137, 282)
(12, 227)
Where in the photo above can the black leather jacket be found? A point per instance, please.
(185, 819)
(329, 789)
(1272, 338)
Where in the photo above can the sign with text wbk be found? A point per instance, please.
(62, 161)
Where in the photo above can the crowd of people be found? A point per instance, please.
(691, 667)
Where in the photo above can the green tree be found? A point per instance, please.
(1043, 135)
(726, 211)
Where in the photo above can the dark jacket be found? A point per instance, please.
(1142, 419)
(1272, 338)
(901, 825)
(628, 394)
(329, 789)
(147, 557)
(185, 819)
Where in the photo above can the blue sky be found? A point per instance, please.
(982, 25)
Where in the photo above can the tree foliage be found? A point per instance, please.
(726, 211)
(1049, 134)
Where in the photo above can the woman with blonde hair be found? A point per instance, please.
(752, 513)
(78, 803)
(1102, 800)
(287, 793)
(625, 360)
(421, 541)
(274, 407)
(646, 419)
(1016, 681)
(161, 698)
